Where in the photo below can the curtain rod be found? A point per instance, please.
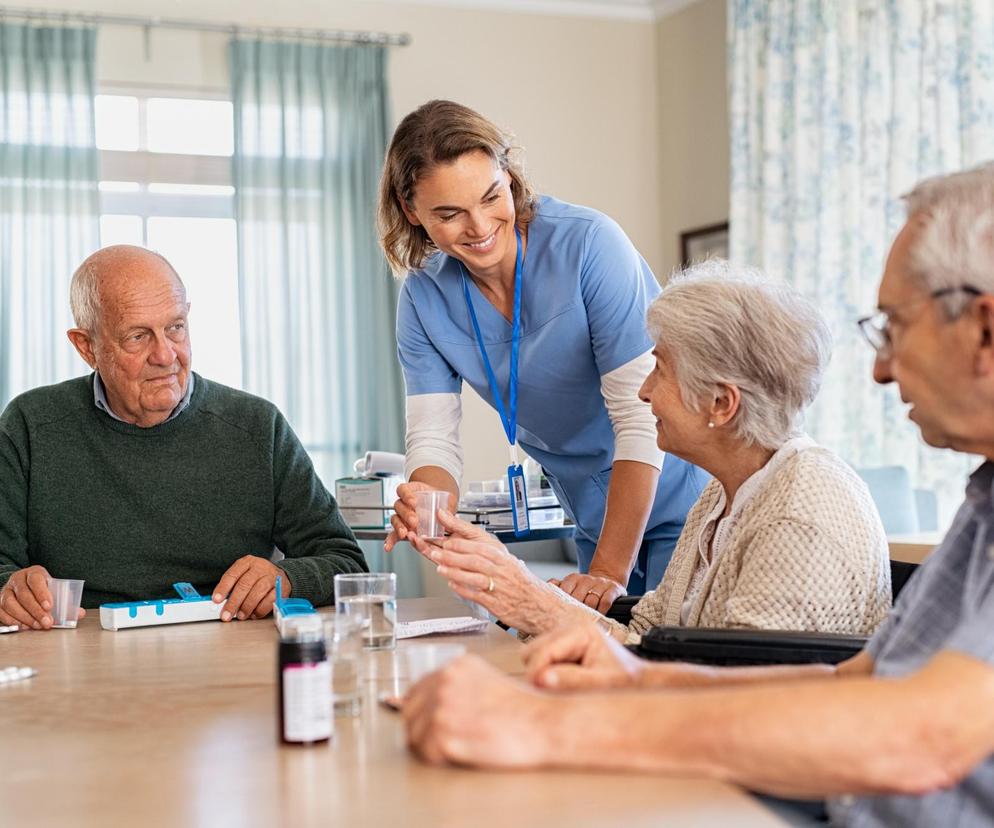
(341, 35)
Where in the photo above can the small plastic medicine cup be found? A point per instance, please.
(418, 660)
(66, 597)
(428, 504)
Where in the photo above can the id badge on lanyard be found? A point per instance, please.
(519, 498)
(509, 417)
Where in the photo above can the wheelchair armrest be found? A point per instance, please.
(743, 647)
(621, 609)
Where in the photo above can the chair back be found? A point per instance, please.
(900, 574)
(890, 488)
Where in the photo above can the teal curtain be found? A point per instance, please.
(317, 299)
(49, 196)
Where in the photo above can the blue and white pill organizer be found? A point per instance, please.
(190, 606)
(286, 608)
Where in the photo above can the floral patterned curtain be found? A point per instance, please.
(838, 107)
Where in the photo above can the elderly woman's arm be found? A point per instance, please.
(479, 568)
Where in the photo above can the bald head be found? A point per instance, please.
(131, 327)
(109, 270)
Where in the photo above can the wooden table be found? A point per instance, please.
(176, 726)
(913, 548)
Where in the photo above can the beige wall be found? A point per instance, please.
(623, 116)
(693, 124)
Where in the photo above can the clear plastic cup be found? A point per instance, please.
(418, 660)
(66, 597)
(428, 504)
(343, 641)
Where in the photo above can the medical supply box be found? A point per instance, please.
(354, 493)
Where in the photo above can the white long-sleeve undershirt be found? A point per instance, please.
(632, 420)
(433, 434)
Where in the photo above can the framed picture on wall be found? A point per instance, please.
(701, 242)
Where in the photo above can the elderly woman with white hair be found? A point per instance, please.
(784, 537)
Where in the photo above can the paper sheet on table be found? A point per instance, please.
(432, 626)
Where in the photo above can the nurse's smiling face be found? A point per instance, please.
(679, 430)
(467, 209)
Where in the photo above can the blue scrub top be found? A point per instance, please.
(585, 292)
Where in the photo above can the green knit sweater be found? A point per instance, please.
(133, 510)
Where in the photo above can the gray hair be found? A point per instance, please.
(956, 244)
(722, 324)
(84, 296)
(84, 290)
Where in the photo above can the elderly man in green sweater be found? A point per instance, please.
(144, 473)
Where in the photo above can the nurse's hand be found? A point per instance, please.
(479, 568)
(404, 520)
(594, 590)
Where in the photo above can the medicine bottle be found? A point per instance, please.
(304, 680)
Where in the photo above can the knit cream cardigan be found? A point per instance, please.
(807, 553)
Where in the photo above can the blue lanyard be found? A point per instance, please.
(510, 423)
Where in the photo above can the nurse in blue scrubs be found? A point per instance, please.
(540, 306)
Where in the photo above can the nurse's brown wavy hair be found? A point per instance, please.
(436, 133)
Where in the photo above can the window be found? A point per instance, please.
(166, 184)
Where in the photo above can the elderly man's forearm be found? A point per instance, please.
(680, 675)
(312, 573)
(805, 739)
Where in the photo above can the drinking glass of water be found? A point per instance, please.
(371, 597)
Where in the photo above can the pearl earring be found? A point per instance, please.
(710, 425)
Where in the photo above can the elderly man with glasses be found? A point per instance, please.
(901, 734)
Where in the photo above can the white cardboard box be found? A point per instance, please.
(352, 493)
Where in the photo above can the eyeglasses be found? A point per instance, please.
(876, 327)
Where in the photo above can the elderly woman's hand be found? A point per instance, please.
(457, 528)
(479, 568)
(472, 714)
(581, 657)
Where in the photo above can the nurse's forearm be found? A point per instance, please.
(438, 478)
(629, 502)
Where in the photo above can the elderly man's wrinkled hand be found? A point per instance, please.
(472, 714)
(26, 601)
(250, 588)
(581, 657)
(596, 591)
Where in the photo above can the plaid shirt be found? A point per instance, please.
(948, 605)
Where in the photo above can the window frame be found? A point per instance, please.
(145, 167)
